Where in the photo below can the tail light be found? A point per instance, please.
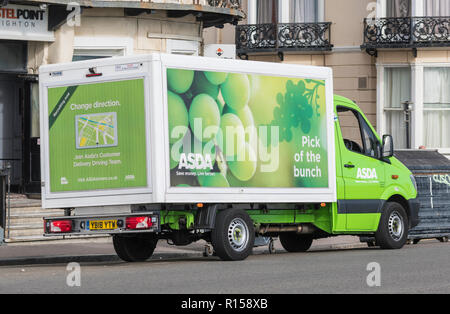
(59, 226)
(136, 223)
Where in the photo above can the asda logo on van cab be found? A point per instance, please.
(366, 173)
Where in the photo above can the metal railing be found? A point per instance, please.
(283, 37)
(406, 32)
(4, 208)
(5, 199)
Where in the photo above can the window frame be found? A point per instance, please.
(24, 48)
(360, 120)
(417, 8)
(417, 100)
(284, 11)
(103, 46)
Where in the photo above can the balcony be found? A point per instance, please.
(280, 38)
(408, 32)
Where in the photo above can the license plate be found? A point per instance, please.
(102, 225)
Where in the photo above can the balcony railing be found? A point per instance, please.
(408, 32)
(283, 37)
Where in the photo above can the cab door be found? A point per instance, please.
(363, 172)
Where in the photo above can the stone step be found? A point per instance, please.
(23, 203)
(25, 230)
(32, 218)
(33, 210)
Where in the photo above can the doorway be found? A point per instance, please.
(31, 146)
(11, 95)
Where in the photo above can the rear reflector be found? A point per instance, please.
(59, 226)
(136, 223)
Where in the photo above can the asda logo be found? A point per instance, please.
(195, 162)
(366, 173)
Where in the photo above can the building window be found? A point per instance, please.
(183, 47)
(303, 11)
(267, 11)
(436, 7)
(436, 106)
(397, 90)
(86, 48)
(398, 8)
(13, 62)
(285, 11)
(430, 116)
(89, 54)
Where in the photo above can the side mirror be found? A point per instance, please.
(388, 146)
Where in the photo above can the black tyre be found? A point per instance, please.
(392, 231)
(234, 235)
(293, 242)
(134, 248)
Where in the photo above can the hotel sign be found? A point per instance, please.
(19, 22)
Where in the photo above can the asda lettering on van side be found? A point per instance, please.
(195, 162)
(367, 173)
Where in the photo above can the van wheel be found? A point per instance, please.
(392, 231)
(234, 235)
(294, 243)
(134, 248)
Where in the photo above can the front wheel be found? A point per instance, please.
(134, 248)
(392, 232)
(234, 235)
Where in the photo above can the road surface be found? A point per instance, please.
(422, 268)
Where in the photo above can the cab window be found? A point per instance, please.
(372, 146)
(357, 135)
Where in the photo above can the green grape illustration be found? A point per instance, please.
(236, 91)
(178, 117)
(248, 122)
(179, 81)
(233, 138)
(216, 78)
(294, 109)
(220, 102)
(244, 169)
(204, 148)
(204, 116)
(173, 162)
(202, 85)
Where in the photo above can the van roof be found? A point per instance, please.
(348, 102)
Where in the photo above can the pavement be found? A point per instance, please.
(101, 250)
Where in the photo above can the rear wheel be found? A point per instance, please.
(234, 235)
(135, 248)
(392, 232)
(293, 242)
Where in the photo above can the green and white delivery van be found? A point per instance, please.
(185, 148)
